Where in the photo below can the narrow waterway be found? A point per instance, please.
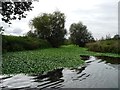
(98, 72)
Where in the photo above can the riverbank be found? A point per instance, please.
(39, 61)
(105, 46)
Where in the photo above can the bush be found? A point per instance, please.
(110, 46)
(15, 43)
(67, 42)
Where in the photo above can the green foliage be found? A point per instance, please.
(1, 30)
(43, 60)
(50, 27)
(79, 34)
(67, 42)
(111, 46)
(116, 37)
(31, 34)
(14, 10)
(38, 61)
(15, 43)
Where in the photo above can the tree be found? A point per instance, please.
(79, 34)
(1, 30)
(14, 10)
(108, 37)
(50, 27)
(117, 36)
(42, 25)
(31, 34)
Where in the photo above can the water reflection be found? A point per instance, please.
(51, 76)
(111, 60)
(84, 57)
(98, 72)
(50, 79)
(79, 70)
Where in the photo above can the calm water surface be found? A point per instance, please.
(100, 72)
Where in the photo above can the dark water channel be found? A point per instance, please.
(98, 72)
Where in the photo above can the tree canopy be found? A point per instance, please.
(79, 34)
(117, 36)
(1, 30)
(50, 27)
(14, 10)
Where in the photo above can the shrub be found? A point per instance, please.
(110, 46)
(67, 42)
(18, 43)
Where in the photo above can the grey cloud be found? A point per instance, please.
(17, 31)
(101, 19)
(107, 9)
(14, 31)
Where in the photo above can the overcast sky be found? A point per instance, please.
(100, 16)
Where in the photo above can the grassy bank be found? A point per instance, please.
(104, 46)
(42, 60)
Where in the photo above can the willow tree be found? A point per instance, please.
(79, 34)
(50, 27)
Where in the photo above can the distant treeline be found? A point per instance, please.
(50, 31)
(19, 43)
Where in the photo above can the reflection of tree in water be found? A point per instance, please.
(50, 79)
(107, 59)
(55, 75)
(111, 60)
(52, 75)
(80, 69)
(84, 57)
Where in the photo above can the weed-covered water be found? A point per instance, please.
(98, 72)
